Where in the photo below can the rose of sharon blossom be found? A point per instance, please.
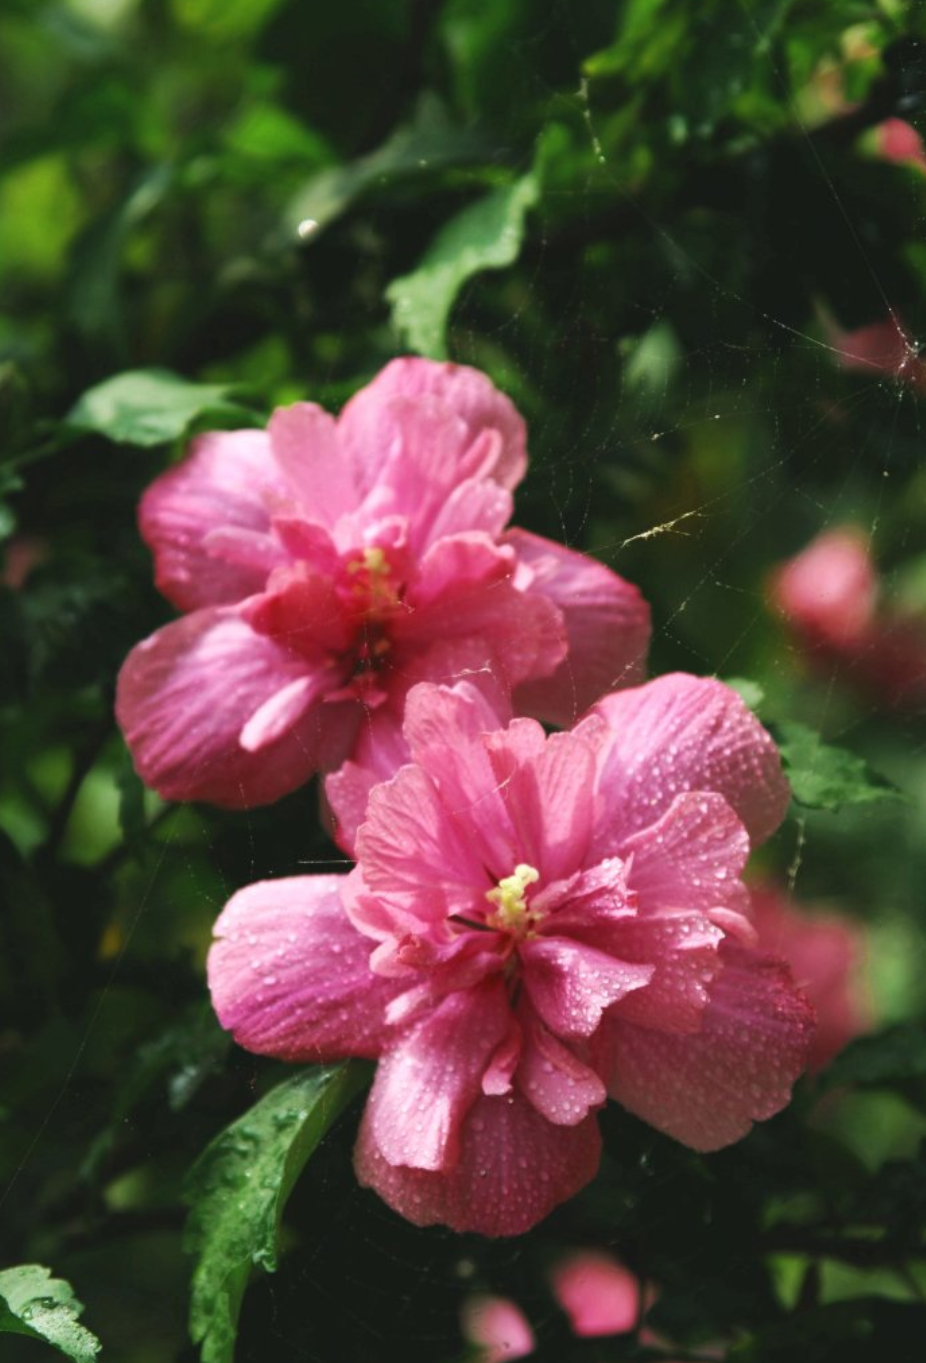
(327, 565)
(825, 952)
(534, 922)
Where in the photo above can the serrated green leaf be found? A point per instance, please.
(485, 236)
(34, 1303)
(823, 776)
(150, 407)
(238, 1189)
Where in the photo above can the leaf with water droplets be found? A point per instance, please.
(238, 1189)
(823, 776)
(35, 1304)
(487, 235)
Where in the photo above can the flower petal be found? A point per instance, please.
(607, 627)
(225, 481)
(498, 1327)
(427, 1081)
(465, 393)
(305, 447)
(681, 733)
(599, 1295)
(571, 984)
(554, 1080)
(514, 1168)
(290, 976)
(707, 1089)
(691, 857)
(186, 695)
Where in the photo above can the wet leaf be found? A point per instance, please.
(34, 1303)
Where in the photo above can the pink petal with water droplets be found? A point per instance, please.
(429, 1078)
(514, 1168)
(551, 802)
(554, 1080)
(691, 857)
(682, 946)
(305, 447)
(708, 1088)
(224, 482)
(599, 1295)
(185, 695)
(290, 976)
(681, 733)
(571, 984)
(607, 626)
(466, 393)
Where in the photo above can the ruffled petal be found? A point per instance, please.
(683, 948)
(304, 441)
(571, 984)
(514, 1168)
(690, 858)
(681, 733)
(607, 628)
(554, 1080)
(290, 976)
(464, 393)
(226, 481)
(187, 694)
(430, 1077)
(708, 1088)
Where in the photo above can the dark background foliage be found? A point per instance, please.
(644, 219)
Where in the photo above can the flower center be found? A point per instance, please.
(373, 587)
(511, 912)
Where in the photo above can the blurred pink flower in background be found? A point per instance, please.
(826, 952)
(534, 923)
(327, 565)
(599, 1295)
(498, 1327)
(828, 595)
(883, 347)
(18, 557)
(899, 141)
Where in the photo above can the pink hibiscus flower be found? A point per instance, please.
(829, 596)
(328, 565)
(826, 952)
(534, 923)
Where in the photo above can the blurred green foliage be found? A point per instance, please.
(643, 219)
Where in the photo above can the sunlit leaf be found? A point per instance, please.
(150, 406)
(823, 776)
(34, 1303)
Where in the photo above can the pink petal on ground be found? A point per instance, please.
(465, 393)
(708, 1088)
(225, 481)
(681, 733)
(826, 952)
(514, 1168)
(829, 590)
(305, 447)
(553, 1079)
(498, 1327)
(691, 857)
(185, 695)
(290, 976)
(429, 1078)
(599, 1295)
(571, 984)
(607, 627)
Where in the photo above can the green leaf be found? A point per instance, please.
(752, 693)
(430, 142)
(823, 776)
(487, 235)
(34, 1303)
(150, 407)
(894, 1057)
(238, 1189)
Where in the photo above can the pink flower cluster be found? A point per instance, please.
(535, 922)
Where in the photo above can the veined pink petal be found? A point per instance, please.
(465, 393)
(514, 1168)
(281, 712)
(429, 1078)
(692, 856)
(498, 1327)
(554, 1080)
(186, 694)
(599, 1295)
(706, 1089)
(473, 505)
(224, 482)
(681, 733)
(607, 626)
(456, 564)
(551, 802)
(683, 948)
(571, 984)
(290, 976)
(305, 447)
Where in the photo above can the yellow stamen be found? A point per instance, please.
(510, 899)
(374, 561)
